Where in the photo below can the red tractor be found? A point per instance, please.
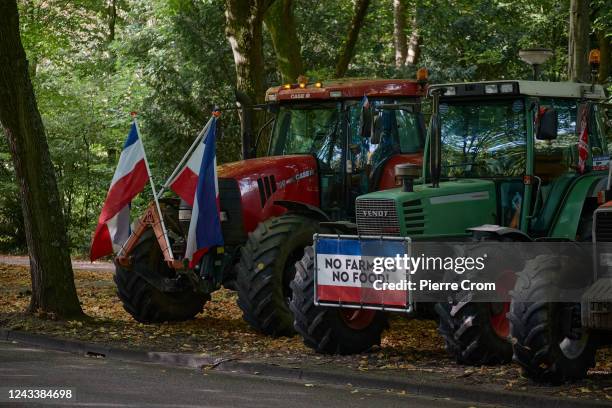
(326, 147)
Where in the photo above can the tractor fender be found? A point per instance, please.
(339, 227)
(500, 231)
(308, 210)
(567, 220)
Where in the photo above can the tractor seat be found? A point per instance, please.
(551, 195)
(550, 165)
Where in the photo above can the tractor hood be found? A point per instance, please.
(427, 212)
(249, 188)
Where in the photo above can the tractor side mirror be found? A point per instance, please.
(377, 129)
(546, 124)
(365, 121)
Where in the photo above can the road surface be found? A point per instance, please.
(111, 383)
(84, 265)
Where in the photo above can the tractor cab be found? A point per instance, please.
(532, 139)
(355, 130)
(507, 153)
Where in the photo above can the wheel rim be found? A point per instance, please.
(499, 322)
(357, 319)
(573, 348)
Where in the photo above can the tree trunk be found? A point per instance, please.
(281, 25)
(578, 49)
(112, 19)
(53, 288)
(414, 42)
(361, 9)
(606, 55)
(399, 33)
(244, 24)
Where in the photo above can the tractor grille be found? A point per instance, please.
(230, 202)
(603, 226)
(414, 217)
(377, 217)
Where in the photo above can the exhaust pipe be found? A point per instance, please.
(435, 142)
(246, 122)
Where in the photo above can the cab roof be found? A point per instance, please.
(347, 88)
(527, 88)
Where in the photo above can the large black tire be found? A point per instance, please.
(540, 346)
(327, 330)
(475, 332)
(469, 335)
(267, 267)
(142, 300)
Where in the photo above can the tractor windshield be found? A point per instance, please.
(483, 138)
(307, 129)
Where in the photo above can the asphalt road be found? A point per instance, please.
(111, 383)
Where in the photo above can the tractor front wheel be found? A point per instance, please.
(142, 300)
(267, 267)
(476, 333)
(331, 330)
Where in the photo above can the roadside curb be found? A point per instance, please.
(416, 386)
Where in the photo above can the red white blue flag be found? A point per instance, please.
(583, 140)
(130, 178)
(205, 225)
(184, 183)
(365, 102)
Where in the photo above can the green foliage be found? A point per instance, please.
(170, 61)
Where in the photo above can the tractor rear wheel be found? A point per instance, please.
(331, 330)
(145, 302)
(267, 267)
(549, 342)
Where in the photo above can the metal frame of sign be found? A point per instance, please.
(410, 306)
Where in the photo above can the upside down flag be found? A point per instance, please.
(130, 178)
(205, 225)
(583, 140)
(186, 180)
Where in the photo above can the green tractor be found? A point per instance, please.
(503, 163)
(555, 339)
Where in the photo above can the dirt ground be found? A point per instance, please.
(408, 346)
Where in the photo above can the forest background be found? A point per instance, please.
(92, 62)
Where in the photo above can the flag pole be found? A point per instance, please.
(161, 217)
(184, 159)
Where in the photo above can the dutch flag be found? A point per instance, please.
(186, 180)
(205, 225)
(131, 176)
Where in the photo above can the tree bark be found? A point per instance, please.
(578, 48)
(280, 23)
(399, 33)
(414, 41)
(53, 289)
(112, 19)
(244, 25)
(361, 9)
(606, 54)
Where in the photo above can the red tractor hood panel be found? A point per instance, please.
(264, 180)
